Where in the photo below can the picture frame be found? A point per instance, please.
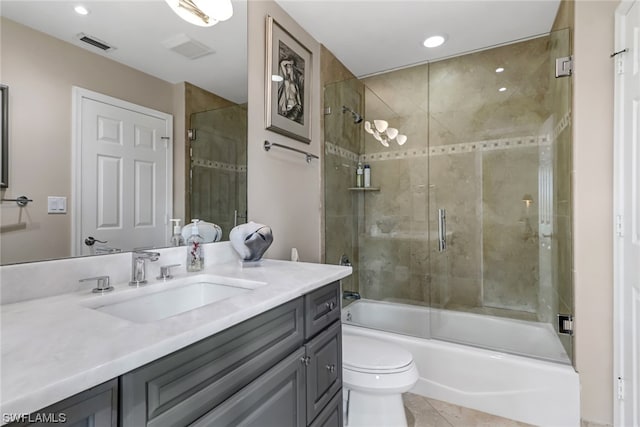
(287, 84)
(4, 136)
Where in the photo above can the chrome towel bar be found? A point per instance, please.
(309, 156)
(21, 201)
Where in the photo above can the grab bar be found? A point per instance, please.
(442, 230)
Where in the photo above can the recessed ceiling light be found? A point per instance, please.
(499, 70)
(502, 89)
(434, 41)
(81, 10)
(276, 78)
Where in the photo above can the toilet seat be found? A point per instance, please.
(370, 356)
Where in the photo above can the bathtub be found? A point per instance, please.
(541, 390)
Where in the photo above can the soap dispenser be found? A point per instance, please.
(176, 238)
(195, 257)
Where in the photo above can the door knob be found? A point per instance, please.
(90, 241)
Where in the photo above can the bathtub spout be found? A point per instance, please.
(350, 295)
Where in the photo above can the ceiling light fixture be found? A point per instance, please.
(499, 70)
(204, 13)
(434, 41)
(81, 10)
(502, 89)
(383, 133)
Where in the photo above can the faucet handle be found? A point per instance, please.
(165, 271)
(103, 284)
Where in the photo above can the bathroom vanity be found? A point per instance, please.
(279, 364)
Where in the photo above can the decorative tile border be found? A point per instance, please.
(331, 148)
(562, 125)
(211, 164)
(465, 147)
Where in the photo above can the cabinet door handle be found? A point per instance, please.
(305, 360)
(330, 305)
(331, 368)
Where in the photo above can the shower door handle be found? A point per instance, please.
(442, 230)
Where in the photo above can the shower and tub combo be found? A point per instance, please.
(461, 247)
(533, 382)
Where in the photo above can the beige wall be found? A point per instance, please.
(284, 191)
(593, 183)
(40, 71)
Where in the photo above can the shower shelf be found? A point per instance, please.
(364, 189)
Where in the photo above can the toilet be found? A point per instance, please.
(375, 374)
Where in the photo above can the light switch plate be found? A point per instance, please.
(56, 205)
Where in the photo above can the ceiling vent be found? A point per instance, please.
(187, 47)
(95, 42)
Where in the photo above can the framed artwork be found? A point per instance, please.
(4, 136)
(288, 84)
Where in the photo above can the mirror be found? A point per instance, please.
(151, 58)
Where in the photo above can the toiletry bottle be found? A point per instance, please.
(359, 173)
(195, 256)
(176, 238)
(367, 176)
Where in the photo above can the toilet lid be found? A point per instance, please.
(370, 355)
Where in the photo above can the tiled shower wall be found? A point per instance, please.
(472, 150)
(219, 166)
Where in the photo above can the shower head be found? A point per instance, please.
(357, 118)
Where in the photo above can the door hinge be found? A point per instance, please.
(620, 388)
(619, 226)
(191, 134)
(327, 111)
(565, 324)
(620, 65)
(564, 66)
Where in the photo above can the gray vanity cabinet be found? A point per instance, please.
(281, 368)
(331, 415)
(96, 407)
(324, 369)
(182, 387)
(303, 389)
(321, 308)
(276, 399)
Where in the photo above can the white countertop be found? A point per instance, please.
(55, 347)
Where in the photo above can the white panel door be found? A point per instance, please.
(124, 180)
(627, 213)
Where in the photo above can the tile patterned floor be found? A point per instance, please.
(424, 412)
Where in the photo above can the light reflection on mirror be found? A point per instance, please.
(149, 65)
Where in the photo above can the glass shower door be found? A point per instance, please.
(499, 170)
(218, 187)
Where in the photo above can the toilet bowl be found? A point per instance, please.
(374, 375)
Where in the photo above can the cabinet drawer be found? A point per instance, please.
(96, 407)
(182, 387)
(324, 370)
(331, 415)
(276, 399)
(322, 308)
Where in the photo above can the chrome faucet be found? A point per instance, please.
(352, 295)
(138, 266)
(344, 260)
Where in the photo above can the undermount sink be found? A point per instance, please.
(184, 295)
